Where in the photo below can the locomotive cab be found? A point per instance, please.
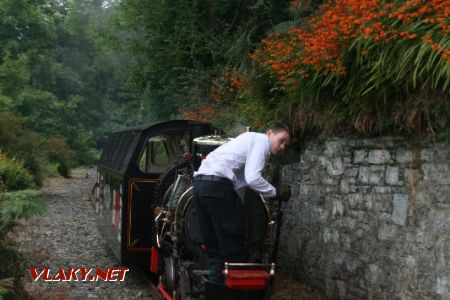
(128, 186)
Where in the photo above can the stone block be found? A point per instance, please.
(353, 143)
(387, 232)
(330, 235)
(351, 174)
(335, 167)
(349, 223)
(334, 147)
(436, 173)
(360, 156)
(305, 189)
(427, 155)
(332, 189)
(360, 216)
(338, 207)
(368, 201)
(310, 193)
(345, 188)
(308, 156)
(379, 157)
(393, 176)
(292, 175)
(323, 161)
(442, 195)
(355, 200)
(375, 142)
(376, 175)
(441, 220)
(373, 274)
(443, 286)
(403, 156)
(341, 289)
(314, 175)
(385, 217)
(400, 211)
(383, 204)
(364, 175)
(412, 176)
(424, 237)
(372, 175)
(359, 232)
(322, 215)
(329, 180)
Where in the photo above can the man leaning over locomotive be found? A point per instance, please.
(219, 181)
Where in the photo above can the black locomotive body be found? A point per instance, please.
(143, 199)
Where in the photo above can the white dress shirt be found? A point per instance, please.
(242, 161)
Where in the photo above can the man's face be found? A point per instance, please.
(278, 141)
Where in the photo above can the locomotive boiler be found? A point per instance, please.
(143, 201)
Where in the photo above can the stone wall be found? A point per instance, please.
(369, 218)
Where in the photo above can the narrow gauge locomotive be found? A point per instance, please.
(143, 201)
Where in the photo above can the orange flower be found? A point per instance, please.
(321, 45)
(202, 114)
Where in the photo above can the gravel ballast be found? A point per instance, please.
(65, 236)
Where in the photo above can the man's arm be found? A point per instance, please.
(254, 166)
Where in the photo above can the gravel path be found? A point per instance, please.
(66, 236)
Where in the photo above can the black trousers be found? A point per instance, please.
(223, 220)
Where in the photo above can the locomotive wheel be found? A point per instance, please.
(176, 278)
(184, 285)
(169, 275)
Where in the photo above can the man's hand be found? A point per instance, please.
(283, 192)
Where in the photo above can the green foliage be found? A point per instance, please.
(182, 47)
(6, 287)
(14, 74)
(13, 206)
(13, 175)
(6, 103)
(41, 110)
(16, 141)
(18, 204)
(60, 78)
(64, 170)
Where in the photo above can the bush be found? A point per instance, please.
(18, 204)
(368, 66)
(13, 175)
(36, 151)
(64, 170)
(13, 206)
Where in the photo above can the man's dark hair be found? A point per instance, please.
(277, 127)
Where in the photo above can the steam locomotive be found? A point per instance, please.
(143, 201)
